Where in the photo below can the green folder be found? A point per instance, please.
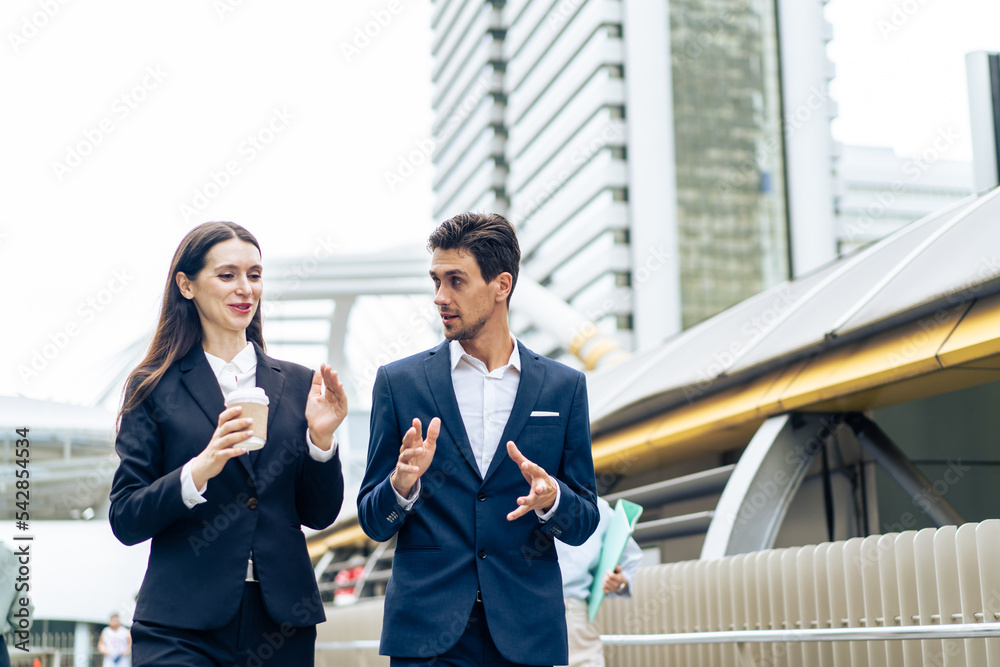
(619, 531)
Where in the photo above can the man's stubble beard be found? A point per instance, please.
(467, 332)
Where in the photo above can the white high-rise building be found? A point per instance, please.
(662, 160)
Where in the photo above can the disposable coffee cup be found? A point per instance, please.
(254, 402)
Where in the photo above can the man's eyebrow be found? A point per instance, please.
(449, 272)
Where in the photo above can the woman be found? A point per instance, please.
(229, 579)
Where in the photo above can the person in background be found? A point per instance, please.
(229, 580)
(115, 644)
(579, 567)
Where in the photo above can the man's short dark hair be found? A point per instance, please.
(488, 236)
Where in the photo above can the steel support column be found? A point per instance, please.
(914, 483)
(763, 485)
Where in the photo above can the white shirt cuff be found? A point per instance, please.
(406, 503)
(318, 454)
(190, 495)
(548, 515)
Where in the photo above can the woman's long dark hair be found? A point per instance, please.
(179, 327)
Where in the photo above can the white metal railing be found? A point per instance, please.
(911, 632)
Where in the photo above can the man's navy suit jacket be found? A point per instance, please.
(198, 556)
(456, 539)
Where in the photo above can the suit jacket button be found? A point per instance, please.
(482, 553)
(252, 503)
(481, 495)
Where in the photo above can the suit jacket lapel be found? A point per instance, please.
(270, 379)
(202, 384)
(528, 389)
(437, 367)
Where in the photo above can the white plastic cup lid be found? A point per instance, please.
(248, 395)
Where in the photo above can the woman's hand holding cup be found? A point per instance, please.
(224, 445)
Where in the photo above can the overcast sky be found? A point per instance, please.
(125, 124)
(900, 69)
(129, 123)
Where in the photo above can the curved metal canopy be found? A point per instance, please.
(921, 271)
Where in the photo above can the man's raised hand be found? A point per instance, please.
(541, 487)
(415, 456)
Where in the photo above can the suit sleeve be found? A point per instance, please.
(379, 512)
(319, 492)
(145, 499)
(577, 516)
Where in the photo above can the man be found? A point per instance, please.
(115, 644)
(579, 567)
(504, 469)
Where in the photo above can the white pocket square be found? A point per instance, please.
(543, 413)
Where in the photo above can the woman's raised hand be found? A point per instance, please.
(326, 406)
